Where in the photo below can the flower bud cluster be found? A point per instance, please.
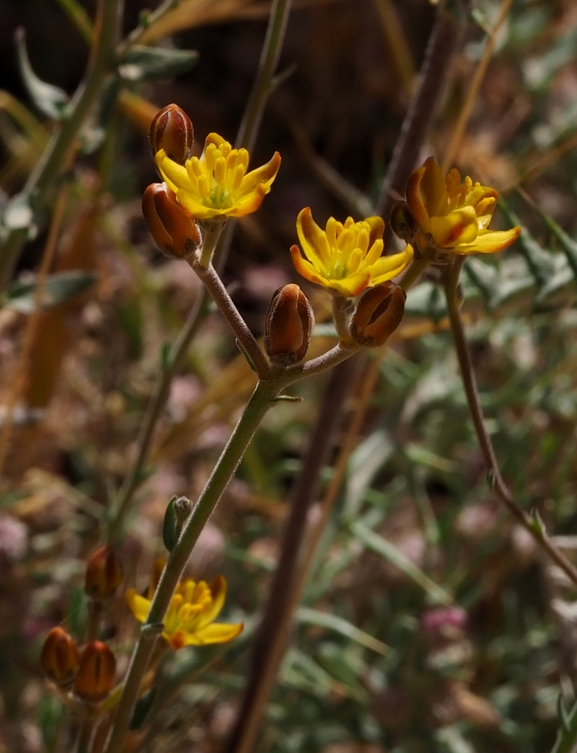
(85, 675)
(88, 674)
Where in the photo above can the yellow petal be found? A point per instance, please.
(415, 200)
(490, 243)
(196, 208)
(305, 268)
(218, 591)
(263, 175)
(138, 605)
(388, 267)
(313, 240)
(377, 228)
(458, 227)
(374, 253)
(433, 189)
(351, 285)
(219, 633)
(174, 174)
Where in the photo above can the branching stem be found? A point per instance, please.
(470, 384)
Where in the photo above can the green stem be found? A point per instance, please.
(260, 402)
(567, 736)
(56, 154)
(264, 82)
(451, 284)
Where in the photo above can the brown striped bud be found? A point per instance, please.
(378, 314)
(403, 223)
(96, 672)
(173, 228)
(103, 574)
(59, 657)
(288, 326)
(171, 129)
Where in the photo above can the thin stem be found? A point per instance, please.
(567, 736)
(153, 412)
(432, 80)
(261, 400)
(272, 633)
(470, 384)
(340, 318)
(95, 614)
(63, 140)
(84, 735)
(264, 82)
(220, 296)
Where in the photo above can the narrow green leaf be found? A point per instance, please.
(390, 552)
(50, 100)
(539, 261)
(342, 627)
(147, 63)
(568, 245)
(78, 16)
(59, 287)
(142, 709)
(427, 300)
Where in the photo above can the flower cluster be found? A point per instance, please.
(209, 188)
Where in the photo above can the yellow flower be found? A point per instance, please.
(192, 611)
(216, 184)
(345, 257)
(454, 216)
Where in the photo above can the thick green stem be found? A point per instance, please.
(56, 154)
(532, 525)
(260, 402)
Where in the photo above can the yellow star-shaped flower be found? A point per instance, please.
(189, 620)
(216, 184)
(345, 257)
(453, 217)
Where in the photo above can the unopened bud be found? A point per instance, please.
(103, 574)
(96, 672)
(378, 314)
(171, 129)
(288, 326)
(173, 228)
(403, 223)
(59, 657)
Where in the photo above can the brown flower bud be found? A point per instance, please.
(378, 314)
(171, 129)
(403, 223)
(288, 326)
(103, 574)
(59, 657)
(173, 228)
(96, 672)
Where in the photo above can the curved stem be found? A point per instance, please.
(220, 296)
(62, 142)
(470, 384)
